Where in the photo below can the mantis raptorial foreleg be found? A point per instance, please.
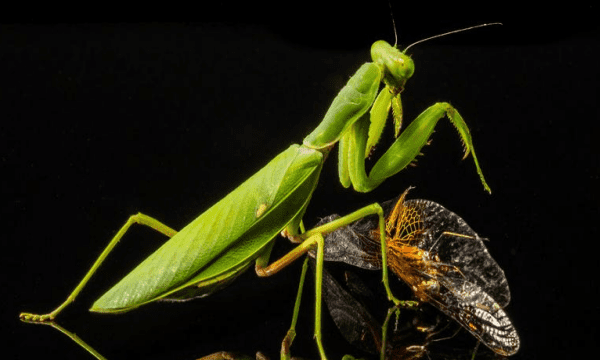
(138, 218)
(353, 147)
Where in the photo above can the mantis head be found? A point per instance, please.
(397, 67)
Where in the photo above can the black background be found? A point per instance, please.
(102, 120)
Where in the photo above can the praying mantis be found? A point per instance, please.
(239, 230)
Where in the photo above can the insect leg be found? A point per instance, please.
(310, 243)
(138, 218)
(450, 233)
(404, 150)
(291, 334)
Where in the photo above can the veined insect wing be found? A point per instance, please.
(355, 322)
(450, 238)
(352, 244)
(470, 286)
(477, 312)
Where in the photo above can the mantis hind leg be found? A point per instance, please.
(138, 218)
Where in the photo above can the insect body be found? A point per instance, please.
(442, 260)
(227, 238)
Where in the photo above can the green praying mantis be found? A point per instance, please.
(239, 230)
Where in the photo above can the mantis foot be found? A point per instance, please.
(35, 318)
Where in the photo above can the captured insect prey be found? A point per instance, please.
(441, 259)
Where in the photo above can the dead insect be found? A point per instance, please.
(442, 260)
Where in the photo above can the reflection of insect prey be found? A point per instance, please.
(443, 261)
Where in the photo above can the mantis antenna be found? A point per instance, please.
(393, 24)
(448, 33)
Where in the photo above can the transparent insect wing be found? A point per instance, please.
(462, 278)
(477, 312)
(352, 244)
(465, 250)
(353, 320)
